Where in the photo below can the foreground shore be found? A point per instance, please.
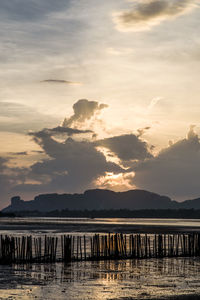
(153, 278)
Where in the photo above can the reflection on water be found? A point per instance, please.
(119, 221)
(130, 279)
(58, 226)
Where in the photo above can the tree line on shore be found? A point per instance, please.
(111, 213)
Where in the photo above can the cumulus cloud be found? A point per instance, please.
(72, 165)
(83, 110)
(192, 134)
(61, 81)
(76, 164)
(127, 147)
(174, 171)
(148, 13)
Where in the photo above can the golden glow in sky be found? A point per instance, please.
(136, 66)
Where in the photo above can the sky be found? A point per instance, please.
(99, 94)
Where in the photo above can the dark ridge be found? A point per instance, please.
(112, 213)
(100, 199)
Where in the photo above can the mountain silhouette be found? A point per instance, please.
(99, 199)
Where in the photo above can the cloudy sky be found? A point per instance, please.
(99, 94)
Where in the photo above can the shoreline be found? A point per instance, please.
(103, 228)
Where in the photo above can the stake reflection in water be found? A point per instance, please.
(110, 279)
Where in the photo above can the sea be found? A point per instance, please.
(153, 278)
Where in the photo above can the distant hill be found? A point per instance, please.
(188, 204)
(99, 199)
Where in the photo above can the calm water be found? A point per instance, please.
(126, 225)
(122, 279)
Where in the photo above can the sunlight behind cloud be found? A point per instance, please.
(117, 182)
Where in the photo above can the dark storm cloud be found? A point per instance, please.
(174, 171)
(20, 118)
(72, 165)
(23, 10)
(126, 147)
(67, 130)
(147, 13)
(58, 130)
(83, 110)
(75, 165)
